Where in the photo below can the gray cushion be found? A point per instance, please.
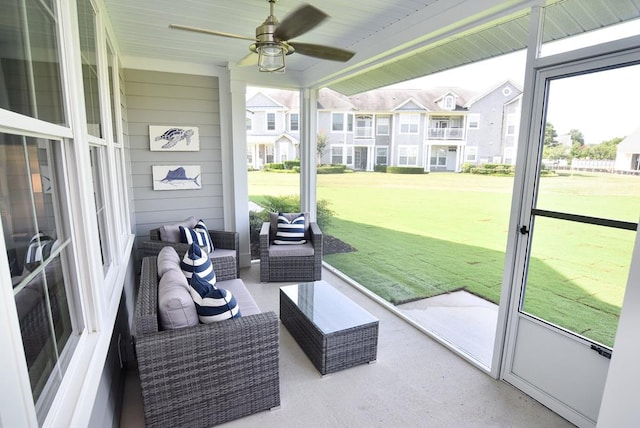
(175, 305)
(171, 232)
(168, 259)
(222, 252)
(291, 250)
(242, 295)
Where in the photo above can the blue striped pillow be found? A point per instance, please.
(199, 235)
(290, 232)
(212, 303)
(39, 250)
(196, 262)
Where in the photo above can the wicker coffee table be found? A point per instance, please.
(332, 330)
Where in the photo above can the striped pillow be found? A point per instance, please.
(199, 235)
(212, 303)
(196, 263)
(290, 232)
(39, 250)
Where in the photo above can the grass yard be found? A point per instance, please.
(422, 235)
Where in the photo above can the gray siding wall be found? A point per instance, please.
(159, 98)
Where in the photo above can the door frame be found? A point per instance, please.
(607, 55)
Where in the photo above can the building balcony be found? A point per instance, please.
(445, 133)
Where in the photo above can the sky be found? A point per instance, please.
(601, 105)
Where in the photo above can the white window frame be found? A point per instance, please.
(269, 122)
(297, 122)
(471, 154)
(409, 152)
(409, 123)
(449, 102)
(380, 150)
(334, 123)
(382, 128)
(473, 121)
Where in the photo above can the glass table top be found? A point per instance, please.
(326, 307)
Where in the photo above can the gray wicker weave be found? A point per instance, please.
(225, 267)
(299, 268)
(204, 375)
(331, 329)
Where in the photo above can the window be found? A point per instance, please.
(449, 102)
(349, 123)
(438, 157)
(409, 123)
(87, 26)
(383, 125)
(249, 123)
(37, 246)
(473, 121)
(364, 126)
(337, 121)
(283, 149)
(408, 156)
(294, 122)
(336, 154)
(98, 162)
(509, 157)
(111, 76)
(349, 155)
(512, 124)
(271, 121)
(381, 155)
(471, 154)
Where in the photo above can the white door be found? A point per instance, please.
(575, 238)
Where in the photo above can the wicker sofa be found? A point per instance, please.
(225, 257)
(207, 374)
(281, 263)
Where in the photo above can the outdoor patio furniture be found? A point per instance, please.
(293, 262)
(334, 332)
(225, 257)
(206, 374)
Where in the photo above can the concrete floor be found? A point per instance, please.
(416, 382)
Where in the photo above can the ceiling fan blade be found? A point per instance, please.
(250, 59)
(323, 52)
(215, 33)
(299, 22)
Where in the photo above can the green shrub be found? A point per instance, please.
(405, 170)
(291, 164)
(467, 167)
(331, 169)
(268, 166)
(489, 169)
(380, 168)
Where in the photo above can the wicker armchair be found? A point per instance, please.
(226, 267)
(207, 374)
(284, 263)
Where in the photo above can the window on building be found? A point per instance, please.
(438, 157)
(349, 160)
(269, 154)
(97, 155)
(409, 123)
(87, 26)
(337, 121)
(336, 154)
(271, 121)
(509, 157)
(364, 126)
(383, 125)
(294, 122)
(449, 102)
(408, 156)
(473, 121)
(512, 124)
(38, 246)
(382, 154)
(112, 75)
(349, 122)
(471, 154)
(249, 122)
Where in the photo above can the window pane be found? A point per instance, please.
(87, 26)
(36, 247)
(97, 160)
(337, 121)
(29, 61)
(112, 97)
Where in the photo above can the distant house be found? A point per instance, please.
(628, 153)
(434, 129)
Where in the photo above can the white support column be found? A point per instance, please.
(308, 149)
(233, 134)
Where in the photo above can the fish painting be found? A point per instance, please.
(166, 178)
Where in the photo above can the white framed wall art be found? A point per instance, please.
(176, 177)
(174, 138)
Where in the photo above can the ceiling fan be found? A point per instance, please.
(273, 38)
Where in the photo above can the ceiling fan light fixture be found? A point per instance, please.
(271, 57)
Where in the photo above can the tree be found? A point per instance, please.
(576, 137)
(605, 150)
(321, 144)
(550, 135)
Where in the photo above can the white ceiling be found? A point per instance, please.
(394, 40)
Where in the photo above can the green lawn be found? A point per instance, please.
(421, 235)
